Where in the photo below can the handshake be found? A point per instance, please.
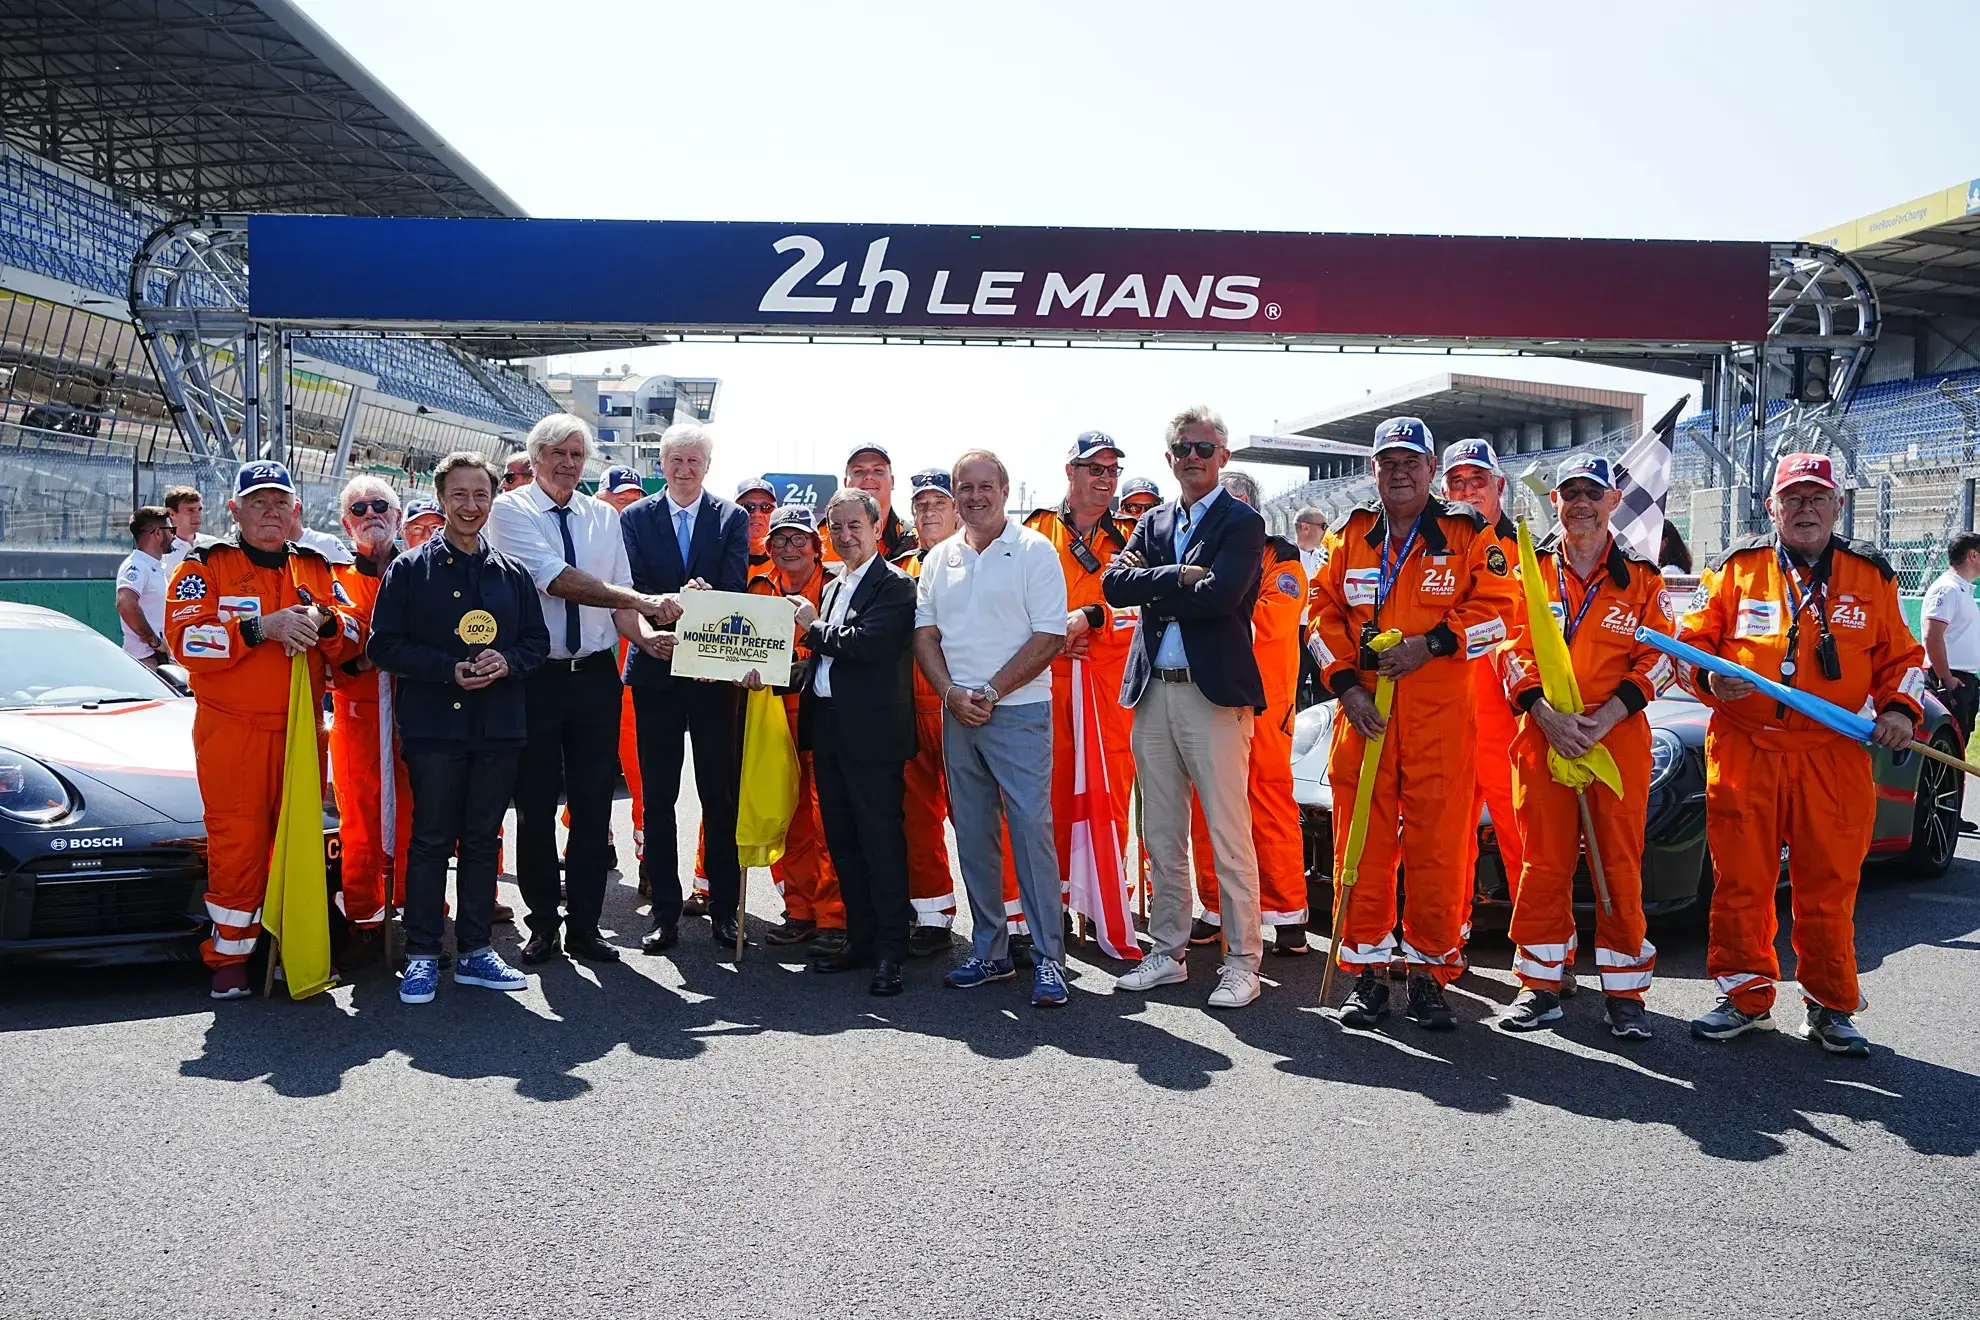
(661, 611)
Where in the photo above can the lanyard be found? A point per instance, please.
(1386, 575)
(1817, 590)
(1569, 627)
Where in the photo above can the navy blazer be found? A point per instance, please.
(420, 603)
(718, 554)
(1215, 614)
(872, 654)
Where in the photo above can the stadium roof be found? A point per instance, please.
(1454, 406)
(202, 106)
(1923, 255)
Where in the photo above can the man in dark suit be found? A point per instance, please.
(856, 718)
(679, 538)
(1192, 678)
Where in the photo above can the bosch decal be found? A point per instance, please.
(75, 843)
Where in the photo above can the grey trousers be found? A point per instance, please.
(1004, 770)
(1183, 739)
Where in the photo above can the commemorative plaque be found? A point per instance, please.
(725, 634)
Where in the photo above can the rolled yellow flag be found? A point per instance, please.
(296, 910)
(1557, 682)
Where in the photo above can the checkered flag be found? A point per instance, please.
(1644, 477)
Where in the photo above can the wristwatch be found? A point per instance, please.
(990, 694)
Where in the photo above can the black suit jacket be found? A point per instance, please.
(718, 554)
(1215, 614)
(872, 654)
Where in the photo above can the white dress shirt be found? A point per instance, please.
(674, 512)
(522, 526)
(821, 673)
(1169, 652)
(988, 605)
(146, 576)
(1950, 600)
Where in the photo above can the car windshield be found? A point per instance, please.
(59, 663)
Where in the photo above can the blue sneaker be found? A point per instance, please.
(486, 969)
(1048, 985)
(422, 976)
(980, 971)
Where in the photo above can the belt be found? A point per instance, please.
(578, 664)
(1174, 675)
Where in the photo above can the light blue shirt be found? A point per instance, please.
(1170, 654)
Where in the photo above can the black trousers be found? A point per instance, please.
(459, 799)
(573, 753)
(860, 802)
(664, 719)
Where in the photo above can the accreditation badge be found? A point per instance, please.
(476, 628)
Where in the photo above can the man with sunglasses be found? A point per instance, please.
(1191, 678)
(931, 885)
(1138, 496)
(1600, 592)
(1472, 475)
(516, 472)
(869, 468)
(1821, 613)
(1435, 572)
(361, 738)
(758, 499)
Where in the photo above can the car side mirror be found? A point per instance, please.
(177, 677)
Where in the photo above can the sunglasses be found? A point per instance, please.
(1182, 448)
(1580, 494)
(751, 507)
(1105, 469)
(360, 507)
(511, 478)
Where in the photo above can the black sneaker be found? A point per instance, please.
(1426, 1007)
(1202, 932)
(1627, 1020)
(1568, 984)
(1367, 1003)
(926, 940)
(1530, 1010)
(1022, 952)
(1290, 941)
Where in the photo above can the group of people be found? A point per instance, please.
(1035, 683)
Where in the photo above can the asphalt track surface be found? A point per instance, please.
(673, 1137)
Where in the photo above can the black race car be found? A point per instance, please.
(102, 833)
(1918, 813)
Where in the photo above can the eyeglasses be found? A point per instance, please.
(511, 478)
(1105, 469)
(788, 540)
(1203, 448)
(1796, 503)
(1580, 494)
(359, 507)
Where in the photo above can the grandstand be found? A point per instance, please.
(120, 115)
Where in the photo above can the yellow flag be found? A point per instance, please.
(297, 909)
(1557, 684)
(769, 788)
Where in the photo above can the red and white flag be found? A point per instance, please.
(1098, 876)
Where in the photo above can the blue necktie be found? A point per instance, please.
(683, 533)
(572, 629)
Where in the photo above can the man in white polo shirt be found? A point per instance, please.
(1952, 632)
(141, 586)
(989, 618)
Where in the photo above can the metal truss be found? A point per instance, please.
(189, 300)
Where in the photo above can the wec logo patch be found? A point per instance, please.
(190, 587)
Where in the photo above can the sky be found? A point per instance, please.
(1684, 120)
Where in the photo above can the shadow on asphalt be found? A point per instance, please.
(1736, 1101)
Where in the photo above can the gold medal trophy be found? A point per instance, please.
(476, 628)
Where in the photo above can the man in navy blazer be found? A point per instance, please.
(678, 538)
(1192, 566)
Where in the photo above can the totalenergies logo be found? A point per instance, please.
(812, 284)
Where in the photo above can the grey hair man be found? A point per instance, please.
(1310, 532)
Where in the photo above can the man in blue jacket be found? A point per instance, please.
(458, 622)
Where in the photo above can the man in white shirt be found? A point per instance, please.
(1310, 527)
(1952, 632)
(186, 510)
(141, 586)
(571, 545)
(990, 615)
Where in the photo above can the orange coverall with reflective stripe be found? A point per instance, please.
(1492, 772)
(357, 774)
(1457, 586)
(804, 874)
(213, 606)
(1775, 777)
(1275, 831)
(1608, 662)
(931, 884)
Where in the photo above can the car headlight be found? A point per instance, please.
(30, 791)
(1310, 726)
(1666, 755)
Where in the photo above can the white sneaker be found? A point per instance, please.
(1156, 969)
(1235, 988)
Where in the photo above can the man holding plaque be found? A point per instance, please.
(684, 536)
(458, 624)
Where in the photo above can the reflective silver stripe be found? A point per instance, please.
(1539, 971)
(233, 946)
(1740, 980)
(388, 779)
(1363, 954)
(1614, 981)
(1615, 958)
(1549, 953)
(1415, 955)
(943, 905)
(937, 920)
(1298, 918)
(226, 916)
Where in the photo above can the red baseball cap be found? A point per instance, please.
(1818, 468)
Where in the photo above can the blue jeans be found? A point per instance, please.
(1004, 770)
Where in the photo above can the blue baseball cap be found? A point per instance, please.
(621, 478)
(1405, 433)
(1585, 467)
(932, 479)
(795, 515)
(1090, 443)
(1472, 453)
(748, 484)
(422, 508)
(1134, 486)
(262, 474)
(881, 450)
